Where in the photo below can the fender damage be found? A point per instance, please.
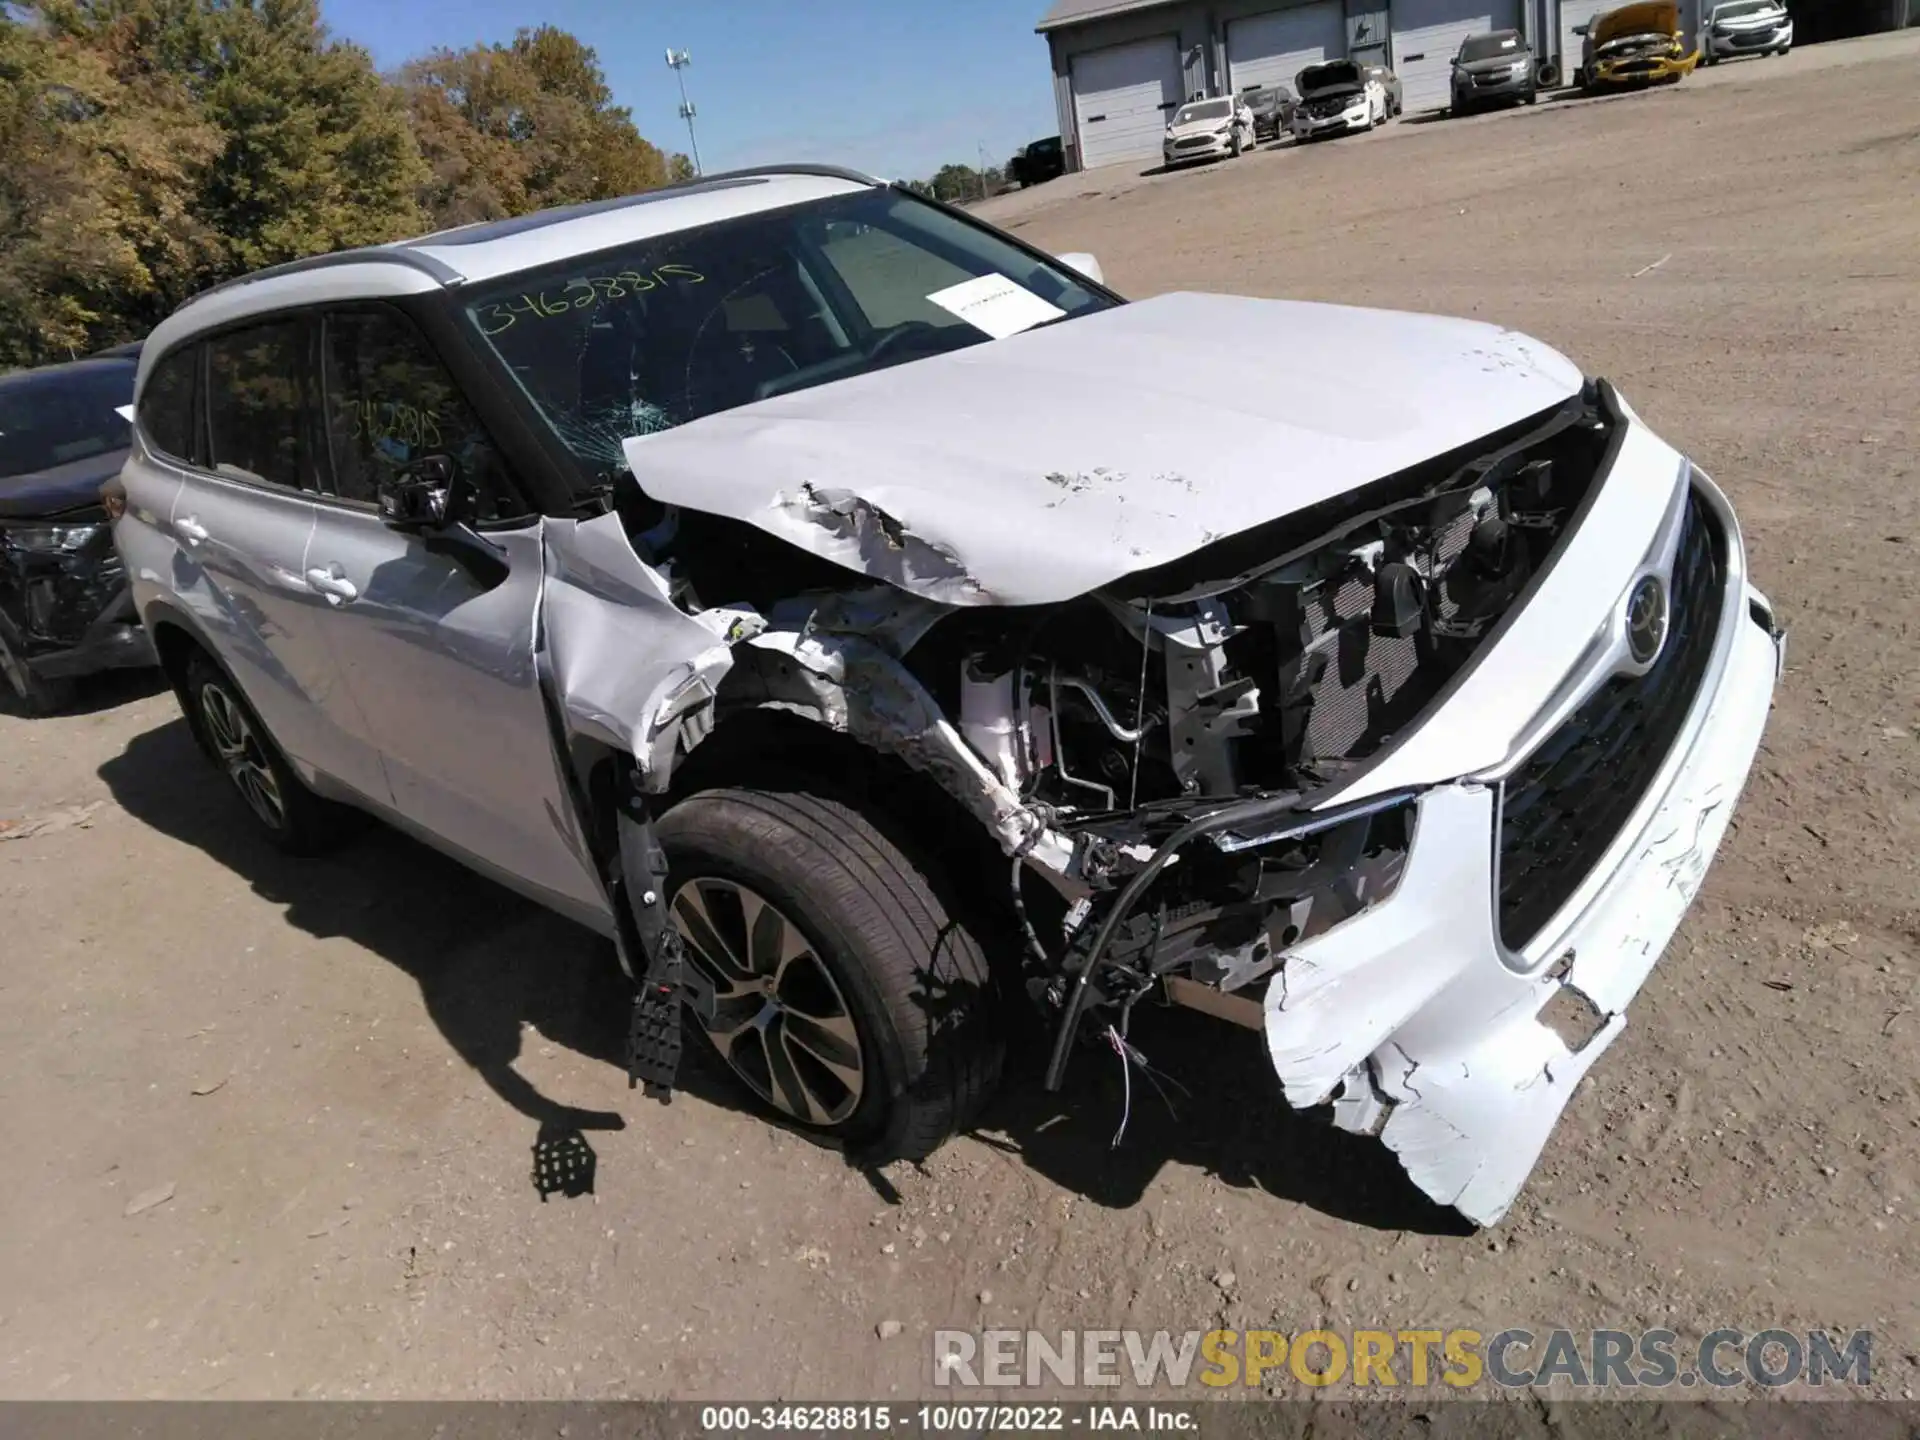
(1266, 764)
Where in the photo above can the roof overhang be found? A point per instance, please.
(1064, 14)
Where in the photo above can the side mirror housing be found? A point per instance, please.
(1084, 263)
(1581, 28)
(422, 497)
(432, 500)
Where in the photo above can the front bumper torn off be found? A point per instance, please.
(1418, 1024)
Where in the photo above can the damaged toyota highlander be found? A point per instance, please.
(870, 623)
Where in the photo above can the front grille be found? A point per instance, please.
(1561, 810)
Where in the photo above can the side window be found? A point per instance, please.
(166, 405)
(390, 401)
(259, 410)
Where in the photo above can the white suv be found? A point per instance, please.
(866, 620)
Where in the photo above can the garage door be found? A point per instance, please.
(1572, 13)
(1426, 37)
(1121, 99)
(1271, 49)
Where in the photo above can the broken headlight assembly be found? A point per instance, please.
(56, 578)
(51, 539)
(1189, 725)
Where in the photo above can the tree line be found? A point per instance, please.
(959, 184)
(151, 148)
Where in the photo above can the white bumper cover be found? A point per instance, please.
(1421, 1028)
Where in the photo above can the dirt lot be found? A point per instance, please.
(335, 1072)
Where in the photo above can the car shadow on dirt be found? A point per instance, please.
(1211, 1102)
(493, 967)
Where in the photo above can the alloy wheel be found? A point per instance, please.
(780, 1019)
(242, 754)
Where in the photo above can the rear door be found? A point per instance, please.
(241, 522)
(442, 665)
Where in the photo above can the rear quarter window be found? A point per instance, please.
(166, 404)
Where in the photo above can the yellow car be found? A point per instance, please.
(1634, 45)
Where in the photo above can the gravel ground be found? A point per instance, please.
(274, 1122)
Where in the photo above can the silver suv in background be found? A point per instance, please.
(868, 621)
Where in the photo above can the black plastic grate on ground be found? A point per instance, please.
(1562, 809)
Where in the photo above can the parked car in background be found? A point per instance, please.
(1336, 98)
(1637, 44)
(65, 609)
(1208, 130)
(1746, 27)
(1493, 69)
(1272, 107)
(1039, 162)
(1390, 83)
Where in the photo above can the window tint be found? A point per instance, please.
(259, 410)
(390, 401)
(166, 405)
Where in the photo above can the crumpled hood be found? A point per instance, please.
(1645, 19)
(1036, 468)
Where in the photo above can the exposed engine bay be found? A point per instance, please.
(1156, 748)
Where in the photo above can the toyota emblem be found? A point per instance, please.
(1646, 619)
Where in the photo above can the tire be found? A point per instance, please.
(291, 816)
(38, 696)
(905, 979)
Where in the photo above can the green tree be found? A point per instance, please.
(99, 233)
(510, 128)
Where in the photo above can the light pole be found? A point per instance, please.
(677, 61)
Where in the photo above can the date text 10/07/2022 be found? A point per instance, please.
(942, 1419)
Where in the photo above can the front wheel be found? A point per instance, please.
(848, 998)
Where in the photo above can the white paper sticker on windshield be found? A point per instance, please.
(995, 304)
(125, 412)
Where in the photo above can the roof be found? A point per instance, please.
(490, 249)
(1063, 13)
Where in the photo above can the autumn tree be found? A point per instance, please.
(506, 129)
(98, 220)
(154, 147)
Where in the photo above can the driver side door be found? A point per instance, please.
(441, 660)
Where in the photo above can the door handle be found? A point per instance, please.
(333, 584)
(190, 530)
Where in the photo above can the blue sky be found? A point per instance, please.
(895, 87)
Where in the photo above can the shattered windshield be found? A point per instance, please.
(1489, 47)
(670, 329)
(1203, 110)
(54, 417)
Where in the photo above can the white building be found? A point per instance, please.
(1119, 66)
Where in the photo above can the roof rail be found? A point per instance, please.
(830, 172)
(402, 252)
(397, 254)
